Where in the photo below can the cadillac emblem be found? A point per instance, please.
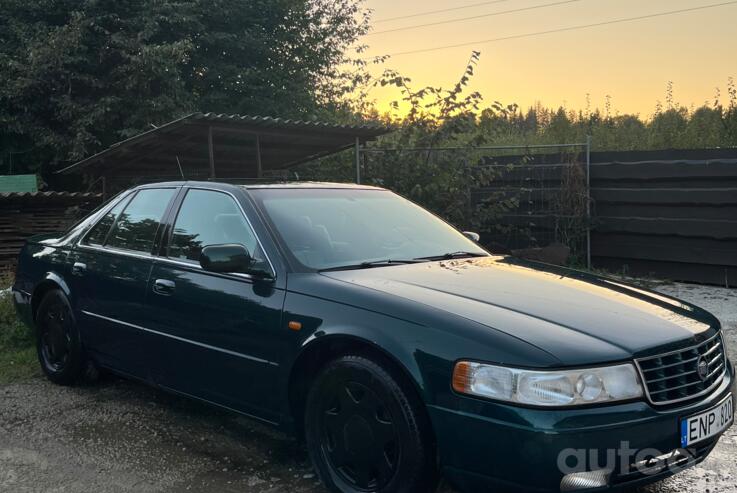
(702, 368)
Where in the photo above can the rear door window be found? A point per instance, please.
(99, 231)
(135, 228)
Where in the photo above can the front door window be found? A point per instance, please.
(208, 217)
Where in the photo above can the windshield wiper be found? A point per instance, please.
(453, 255)
(372, 263)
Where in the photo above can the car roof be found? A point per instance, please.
(311, 184)
(255, 186)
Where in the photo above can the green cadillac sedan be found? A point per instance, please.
(398, 348)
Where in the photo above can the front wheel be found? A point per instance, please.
(57, 340)
(365, 432)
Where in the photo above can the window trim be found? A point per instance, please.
(118, 251)
(164, 251)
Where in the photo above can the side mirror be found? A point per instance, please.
(472, 236)
(226, 258)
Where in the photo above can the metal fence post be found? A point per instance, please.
(259, 168)
(588, 201)
(358, 161)
(211, 152)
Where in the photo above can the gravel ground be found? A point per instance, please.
(118, 436)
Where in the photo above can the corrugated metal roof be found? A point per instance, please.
(50, 194)
(296, 141)
(268, 121)
(52, 197)
(18, 183)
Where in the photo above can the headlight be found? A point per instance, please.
(548, 388)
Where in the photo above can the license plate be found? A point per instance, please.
(710, 423)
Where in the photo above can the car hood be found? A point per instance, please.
(574, 316)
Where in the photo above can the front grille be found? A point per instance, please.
(674, 377)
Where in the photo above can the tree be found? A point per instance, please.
(705, 128)
(79, 75)
(439, 180)
(668, 128)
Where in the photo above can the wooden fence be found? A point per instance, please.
(550, 194)
(26, 214)
(671, 214)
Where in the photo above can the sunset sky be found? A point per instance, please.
(632, 61)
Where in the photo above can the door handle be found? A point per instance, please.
(79, 268)
(164, 286)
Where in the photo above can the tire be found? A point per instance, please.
(58, 344)
(366, 433)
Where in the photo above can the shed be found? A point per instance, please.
(211, 146)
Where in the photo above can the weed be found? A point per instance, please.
(17, 351)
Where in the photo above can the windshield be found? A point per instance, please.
(329, 228)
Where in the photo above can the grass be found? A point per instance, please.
(17, 349)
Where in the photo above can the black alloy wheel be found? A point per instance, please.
(58, 344)
(365, 433)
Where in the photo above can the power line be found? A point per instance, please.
(450, 21)
(430, 12)
(564, 29)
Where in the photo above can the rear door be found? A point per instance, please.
(111, 267)
(220, 334)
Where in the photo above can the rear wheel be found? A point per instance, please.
(57, 340)
(365, 433)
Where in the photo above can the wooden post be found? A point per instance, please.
(259, 169)
(212, 152)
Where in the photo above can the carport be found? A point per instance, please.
(209, 146)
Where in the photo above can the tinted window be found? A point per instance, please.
(210, 218)
(136, 227)
(99, 231)
(84, 224)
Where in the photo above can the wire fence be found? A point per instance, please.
(517, 196)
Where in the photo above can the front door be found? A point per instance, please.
(218, 332)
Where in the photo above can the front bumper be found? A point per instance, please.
(485, 445)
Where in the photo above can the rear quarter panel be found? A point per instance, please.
(41, 264)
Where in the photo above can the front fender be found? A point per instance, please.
(425, 340)
(324, 321)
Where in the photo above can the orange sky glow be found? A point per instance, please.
(631, 62)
